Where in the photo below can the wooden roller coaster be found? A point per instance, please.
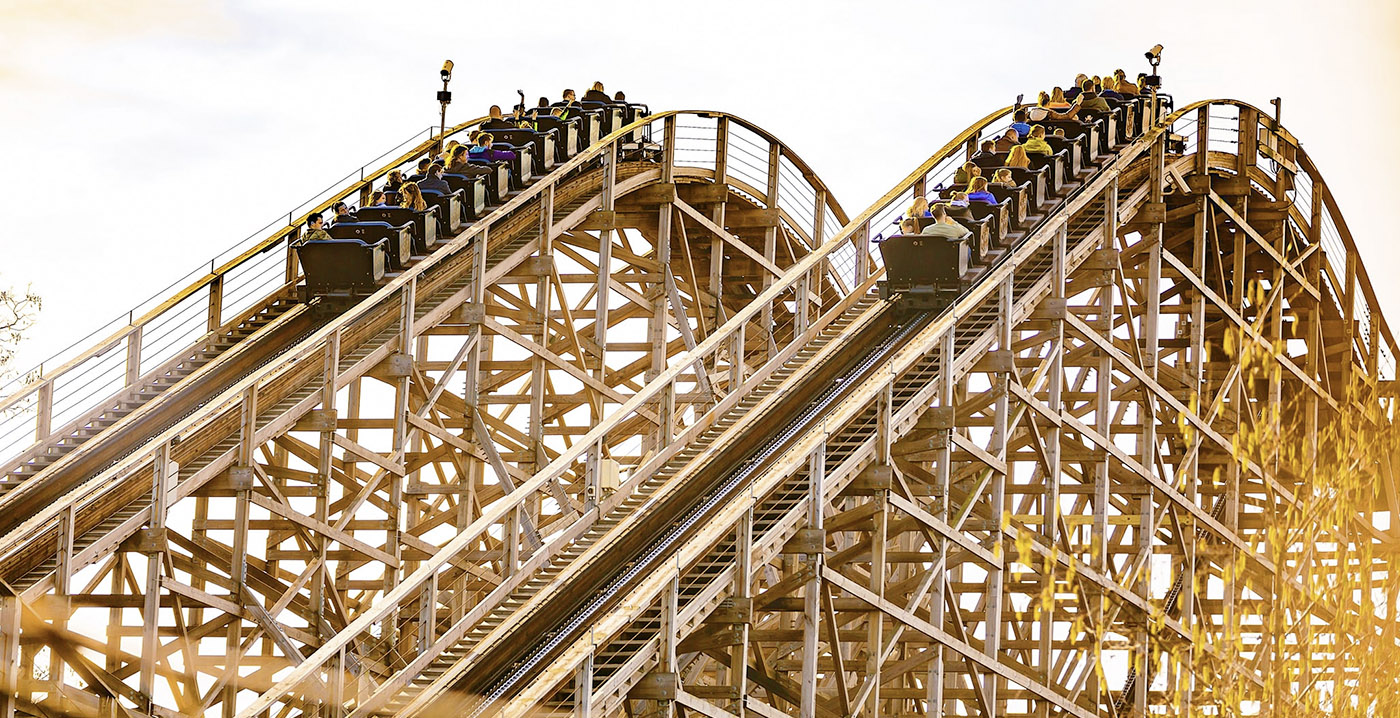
(645, 438)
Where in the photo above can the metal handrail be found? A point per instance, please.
(31, 406)
(313, 344)
(1366, 298)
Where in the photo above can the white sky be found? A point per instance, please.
(140, 137)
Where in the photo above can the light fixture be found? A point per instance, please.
(444, 97)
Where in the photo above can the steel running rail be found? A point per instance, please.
(308, 351)
(731, 482)
(1037, 240)
(851, 243)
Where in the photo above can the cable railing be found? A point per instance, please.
(436, 579)
(70, 386)
(308, 354)
(1374, 351)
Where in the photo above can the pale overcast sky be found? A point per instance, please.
(140, 137)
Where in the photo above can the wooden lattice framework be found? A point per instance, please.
(350, 529)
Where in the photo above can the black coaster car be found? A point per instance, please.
(923, 272)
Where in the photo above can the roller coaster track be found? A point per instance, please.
(644, 438)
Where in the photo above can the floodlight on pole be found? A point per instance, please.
(445, 98)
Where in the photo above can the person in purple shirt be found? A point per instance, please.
(483, 150)
(1078, 87)
(977, 192)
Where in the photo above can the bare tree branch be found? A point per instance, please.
(18, 312)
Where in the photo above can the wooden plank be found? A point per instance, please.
(1264, 244)
(372, 457)
(990, 663)
(341, 537)
(733, 241)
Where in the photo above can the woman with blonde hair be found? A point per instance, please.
(966, 173)
(918, 209)
(1124, 87)
(1018, 157)
(977, 192)
(410, 197)
(1002, 177)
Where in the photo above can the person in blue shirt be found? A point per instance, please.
(483, 150)
(1106, 92)
(977, 192)
(1018, 123)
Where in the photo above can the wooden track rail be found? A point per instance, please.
(570, 282)
(1034, 506)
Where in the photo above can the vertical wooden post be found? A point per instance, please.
(1102, 422)
(10, 664)
(811, 592)
(1203, 142)
(1050, 519)
(997, 498)
(879, 542)
(133, 354)
(717, 216)
(770, 242)
(394, 521)
(330, 369)
(215, 312)
(947, 383)
(238, 566)
(293, 265)
(161, 480)
(736, 358)
(543, 299)
(43, 422)
(743, 591)
(860, 240)
(583, 688)
(604, 290)
(656, 294)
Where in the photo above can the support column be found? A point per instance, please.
(604, 290)
(10, 664)
(161, 479)
(743, 592)
(811, 592)
(241, 477)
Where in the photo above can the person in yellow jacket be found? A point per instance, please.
(1036, 144)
